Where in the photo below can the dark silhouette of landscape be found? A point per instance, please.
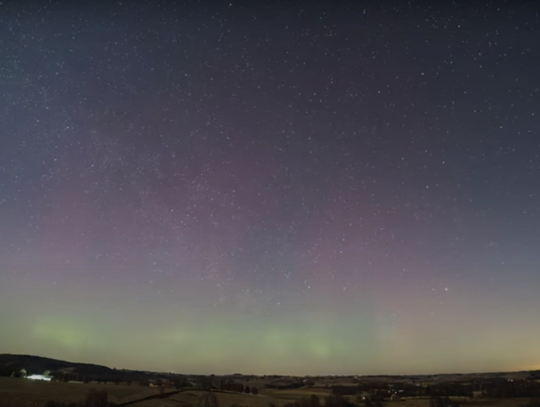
(34, 381)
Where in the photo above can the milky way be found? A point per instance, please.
(297, 188)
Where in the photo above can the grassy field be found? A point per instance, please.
(29, 393)
(281, 397)
(37, 393)
(264, 399)
(464, 403)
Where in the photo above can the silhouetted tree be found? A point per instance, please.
(5, 371)
(178, 382)
(207, 382)
(239, 388)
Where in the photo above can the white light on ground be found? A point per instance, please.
(39, 377)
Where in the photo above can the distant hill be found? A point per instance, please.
(64, 370)
(72, 371)
(38, 365)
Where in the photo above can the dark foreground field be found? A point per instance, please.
(29, 393)
(26, 393)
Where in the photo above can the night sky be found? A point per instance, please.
(294, 188)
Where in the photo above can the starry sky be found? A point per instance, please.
(282, 188)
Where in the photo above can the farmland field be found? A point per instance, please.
(37, 393)
(27, 393)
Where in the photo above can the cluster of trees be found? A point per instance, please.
(450, 389)
(6, 371)
(234, 386)
(174, 381)
(70, 376)
(226, 384)
(280, 385)
(498, 388)
(384, 390)
(73, 376)
(377, 391)
(507, 388)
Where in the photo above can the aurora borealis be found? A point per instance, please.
(294, 188)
